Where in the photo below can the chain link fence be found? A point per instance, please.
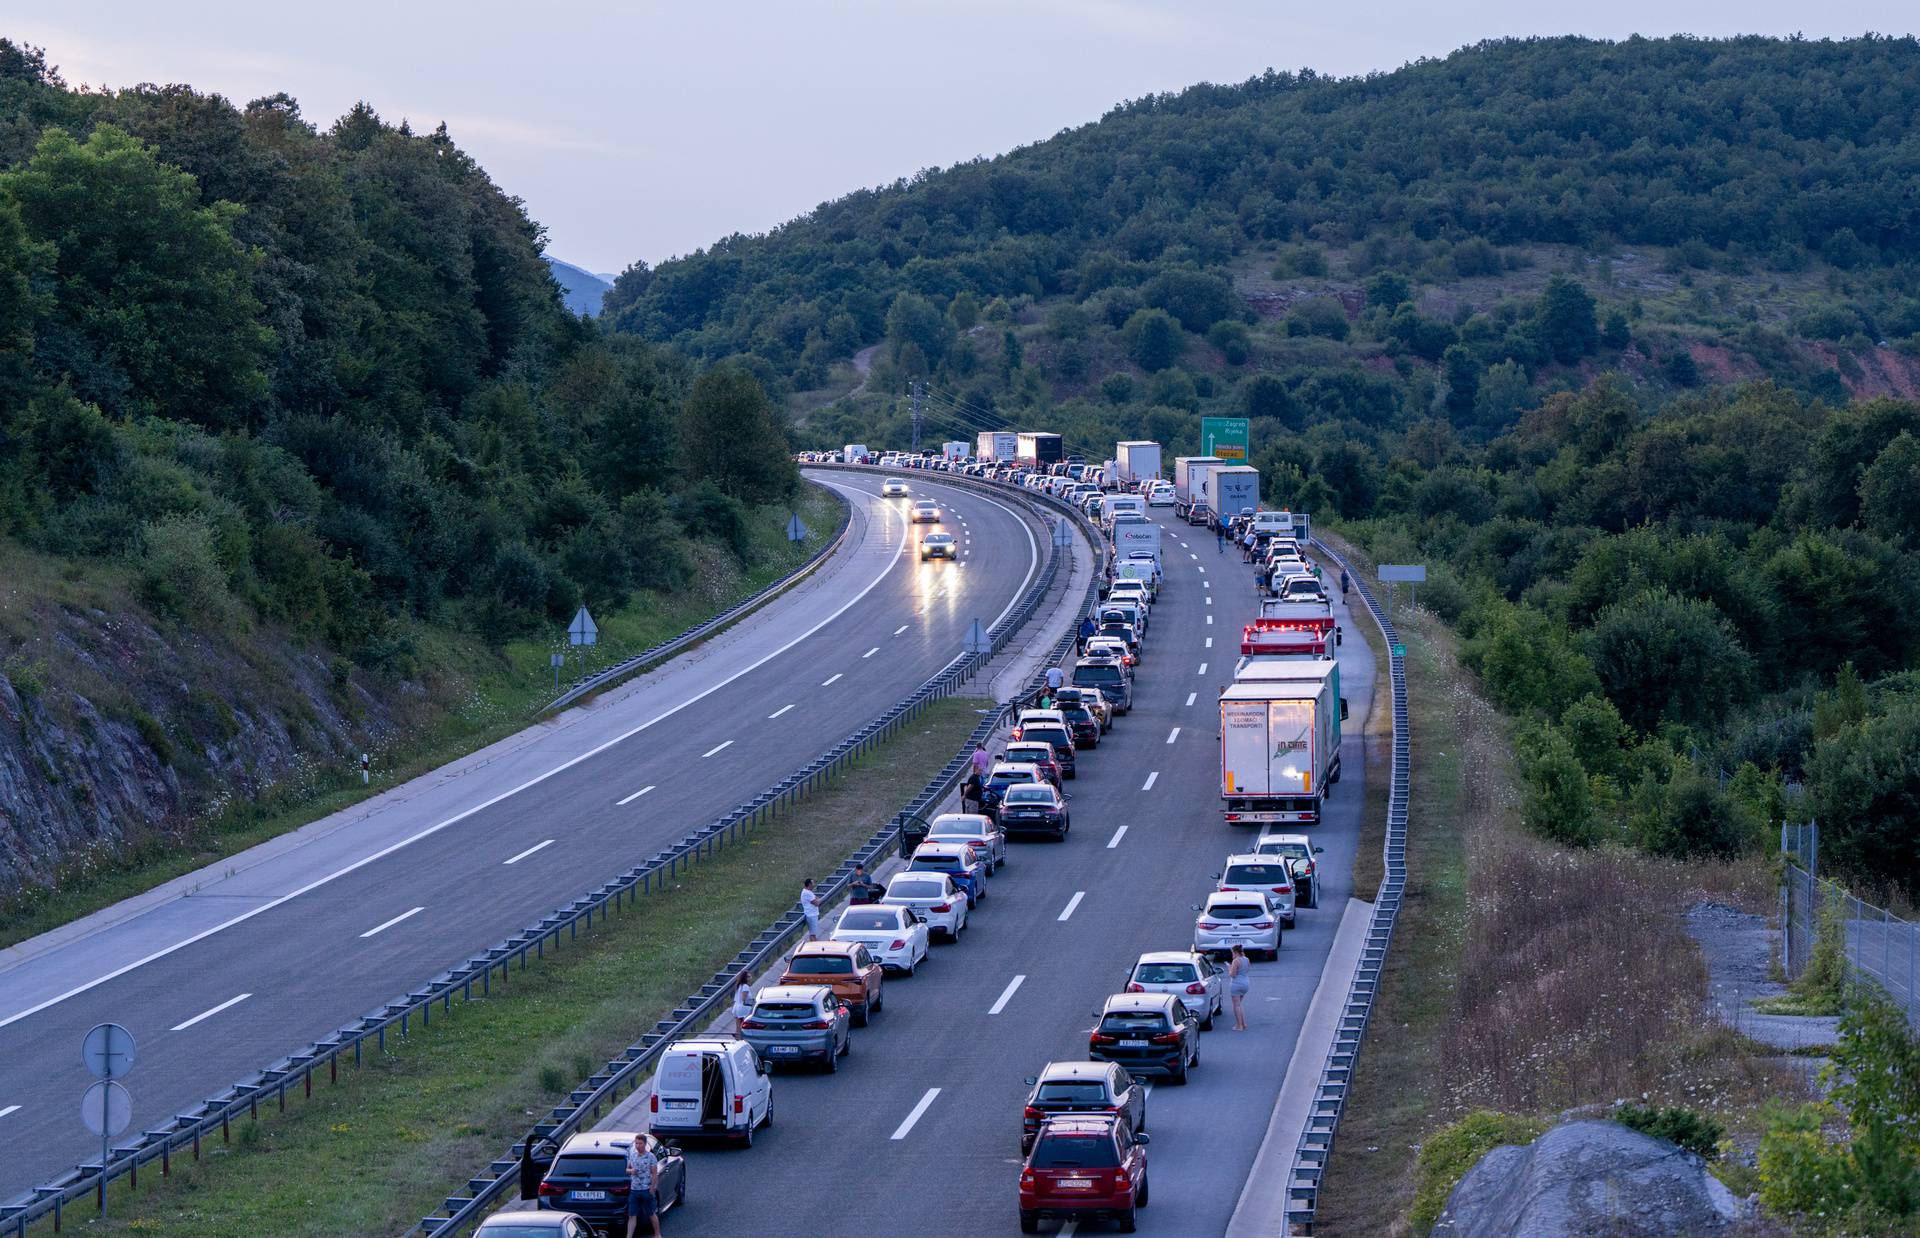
(1880, 946)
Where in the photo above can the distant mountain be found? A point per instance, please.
(582, 290)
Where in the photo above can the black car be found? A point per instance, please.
(1054, 733)
(1148, 1033)
(589, 1178)
(1033, 808)
(1125, 632)
(1109, 678)
(1085, 724)
(1081, 1087)
(1002, 777)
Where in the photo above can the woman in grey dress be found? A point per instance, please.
(1237, 984)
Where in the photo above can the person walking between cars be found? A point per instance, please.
(1054, 680)
(971, 792)
(1219, 540)
(742, 1003)
(1237, 985)
(643, 1186)
(810, 908)
(1087, 629)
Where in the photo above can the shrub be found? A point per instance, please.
(705, 512)
(180, 571)
(1696, 1132)
(1319, 316)
(1452, 1150)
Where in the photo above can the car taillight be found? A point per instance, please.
(653, 1103)
(751, 1025)
(1261, 924)
(1101, 1038)
(1136, 988)
(739, 1104)
(551, 1188)
(941, 907)
(1034, 1117)
(1196, 988)
(1283, 889)
(816, 1025)
(1209, 924)
(899, 944)
(1166, 1038)
(1026, 1179)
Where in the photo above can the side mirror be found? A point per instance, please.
(1032, 1079)
(1318, 850)
(1143, 1138)
(1343, 709)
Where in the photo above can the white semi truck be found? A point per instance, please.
(1280, 747)
(1189, 483)
(1138, 461)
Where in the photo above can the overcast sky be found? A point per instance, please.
(645, 129)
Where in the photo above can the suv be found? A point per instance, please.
(846, 967)
(1037, 754)
(1272, 875)
(1148, 1033)
(1002, 776)
(796, 1022)
(1082, 721)
(589, 1177)
(1054, 731)
(1081, 1087)
(1109, 678)
(1089, 697)
(1300, 850)
(1087, 1165)
(1191, 977)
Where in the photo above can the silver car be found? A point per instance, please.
(799, 1023)
(1272, 875)
(970, 827)
(1188, 975)
(1237, 917)
(934, 897)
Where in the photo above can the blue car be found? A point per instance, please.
(958, 861)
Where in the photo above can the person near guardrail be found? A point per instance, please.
(1054, 679)
(862, 888)
(981, 760)
(1087, 630)
(643, 1186)
(742, 1002)
(972, 791)
(1343, 583)
(1238, 984)
(810, 908)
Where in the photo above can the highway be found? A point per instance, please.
(280, 946)
(919, 1131)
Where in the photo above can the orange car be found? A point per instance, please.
(847, 967)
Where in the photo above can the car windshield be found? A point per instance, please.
(1233, 911)
(860, 920)
(589, 1165)
(1163, 973)
(1029, 795)
(786, 1010)
(1006, 778)
(1038, 754)
(916, 889)
(1133, 1022)
(1073, 1092)
(1049, 731)
(1096, 675)
(935, 864)
(822, 965)
(1298, 851)
(1079, 1150)
(1256, 875)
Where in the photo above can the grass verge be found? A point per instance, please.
(490, 694)
(1369, 857)
(380, 1149)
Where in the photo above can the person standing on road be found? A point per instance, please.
(1237, 985)
(643, 1186)
(1087, 628)
(810, 908)
(1054, 679)
(981, 760)
(1343, 583)
(1219, 540)
(971, 792)
(742, 1002)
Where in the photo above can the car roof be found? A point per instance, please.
(703, 1044)
(1141, 1001)
(939, 849)
(824, 947)
(1018, 767)
(1076, 1070)
(589, 1141)
(1081, 1123)
(1041, 715)
(792, 992)
(962, 818)
(552, 1221)
(1236, 896)
(1168, 956)
(1248, 857)
(905, 874)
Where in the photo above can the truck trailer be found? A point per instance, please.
(1230, 490)
(1189, 484)
(997, 446)
(1139, 462)
(1042, 451)
(1279, 748)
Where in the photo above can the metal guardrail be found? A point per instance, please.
(626, 1072)
(1336, 1077)
(674, 645)
(185, 1131)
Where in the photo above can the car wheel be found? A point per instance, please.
(1126, 1221)
(1289, 923)
(1206, 1024)
(1029, 1223)
(1179, 1077)
(680, 1191)
(746, 1136)
(861, 1015)
(846, 1050)
(879, 1003)
(1195, 1059)
(833, 1058)
(1146, 1191)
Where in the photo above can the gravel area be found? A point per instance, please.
(1739, 949)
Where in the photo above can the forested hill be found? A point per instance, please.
(1776, 150)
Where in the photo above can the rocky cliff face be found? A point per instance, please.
(116, 729)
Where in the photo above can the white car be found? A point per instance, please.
(893, 488)
(1271, 875)
(893, 935)
(1306, 872)
(926, 511)
(1110, 647)
(1237, 917)
(932, 896)
(970, 827)
(1160, 494)
(1190, 976)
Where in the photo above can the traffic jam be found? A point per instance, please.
(1083, 1131)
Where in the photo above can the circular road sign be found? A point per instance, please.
(106, 1108)
(107, 1051)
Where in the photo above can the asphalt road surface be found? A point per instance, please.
(919, 1131)
(317, 930)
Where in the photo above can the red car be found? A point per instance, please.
(1083, 1167)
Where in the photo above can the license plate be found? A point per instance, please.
(679, 1104)
(1133, 1044)
(585, 1196)
(1071, 1184)
(786, 1048)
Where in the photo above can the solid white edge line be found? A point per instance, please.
(529, 851)
(9, 1109)
(1173, 734)
(776, 713)
(900, 1131)
(636, 795)
(830, 682)
(482, 806)
(722, 746)
(1007, 993)
(1072, 903)
(208, 1014)
(1117, 836)
(381, 928)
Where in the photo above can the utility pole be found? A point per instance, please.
(917, 389)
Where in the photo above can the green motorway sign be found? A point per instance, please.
(1225, 437)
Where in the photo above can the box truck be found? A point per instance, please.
(1139, 462)
(1132, 535)
(857, 453)
(953, 450)
(1229, 490)
(1042, 451)
(1262, 669)
(998, 446)
(1189, 483)
(1279, 749)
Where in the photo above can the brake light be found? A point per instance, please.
(1101, 1038)
(739, 1104)
(898, 945)
(1283, 889)
(1209, 924)
(751, 1025)
(1026, 1179)
(1196, 988)
(1261, 924)
(1229, 889)
(653, 1103)
(1034, 1117)
(816, 1025)
(1136, 988)
(941, 907)
(551, 1188)
(1166, 1038)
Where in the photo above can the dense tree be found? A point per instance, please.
(1865, 784)
(1659, 656)
(730, 438)
(1154, 340)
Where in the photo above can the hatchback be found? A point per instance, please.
(1299, 850)
(1081, 1087)
(1003, 776)
(1148, 1033)
(1239, 917)
(588, 1177)
(799, 1023)
(1084, 1166)
(959, 861)
(1189, 976)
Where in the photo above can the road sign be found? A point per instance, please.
(1399, 651)
(1414, 573)
(977, 639)
(796, 531)
(1062, 536)
(108, 1050)
(1225, 438)
(583, 630)
(107, 1108)
(557, 660)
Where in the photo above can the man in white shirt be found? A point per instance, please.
(643, 1186)
(810, 908)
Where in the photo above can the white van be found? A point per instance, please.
(711, 1086)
